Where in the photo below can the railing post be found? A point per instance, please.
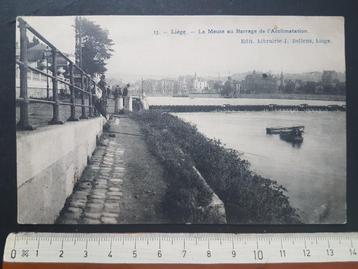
(83, 87)
(94, 99)
(73, 97)
(56, 115)
(23, 123)
(90, 100)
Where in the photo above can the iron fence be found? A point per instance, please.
(85, 88)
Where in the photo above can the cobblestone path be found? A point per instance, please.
(122, 183)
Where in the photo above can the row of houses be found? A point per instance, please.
(266, 83)
(252, 83)
(186, 85)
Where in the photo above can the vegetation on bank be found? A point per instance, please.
(248, 197)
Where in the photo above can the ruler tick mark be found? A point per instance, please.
(321, 245)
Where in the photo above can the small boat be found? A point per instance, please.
(293, 136)
(278, 130)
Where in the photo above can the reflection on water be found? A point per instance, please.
(295, 144)
(314, 172)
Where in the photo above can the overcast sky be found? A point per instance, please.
(138, 52)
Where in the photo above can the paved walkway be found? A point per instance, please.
(123, 183)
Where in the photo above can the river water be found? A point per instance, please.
(313, 173)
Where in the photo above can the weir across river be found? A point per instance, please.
(270, 107)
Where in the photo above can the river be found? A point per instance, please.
(314, 174)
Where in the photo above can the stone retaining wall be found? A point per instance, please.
(49, 162)
(214, 212)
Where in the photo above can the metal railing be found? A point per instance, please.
(85, 89)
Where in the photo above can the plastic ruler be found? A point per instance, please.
(161, 250)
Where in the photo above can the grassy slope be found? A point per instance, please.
(248, 198)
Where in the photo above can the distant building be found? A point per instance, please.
(181, 87)
(231, 88)
(260, 83)
(215, 86)
(37, 83)
(198, 85)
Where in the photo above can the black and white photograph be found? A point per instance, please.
(181, 120)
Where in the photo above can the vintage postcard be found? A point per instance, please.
(181, 119)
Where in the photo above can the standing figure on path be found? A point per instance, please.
(101, 103)
(118, 100)
(117, 92)
(126, 98)
(125, 90)
(108, 92)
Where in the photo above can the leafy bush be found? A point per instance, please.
(248, 197)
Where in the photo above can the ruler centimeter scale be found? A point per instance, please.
(162, 248)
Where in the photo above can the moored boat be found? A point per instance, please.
(293, 136)
(278, 130)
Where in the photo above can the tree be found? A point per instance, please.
(217, 86)
(96, 46)
(228, 88)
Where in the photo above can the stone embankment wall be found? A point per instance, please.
(49, 162)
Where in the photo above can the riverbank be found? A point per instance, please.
(313, 173)
(248, 198)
